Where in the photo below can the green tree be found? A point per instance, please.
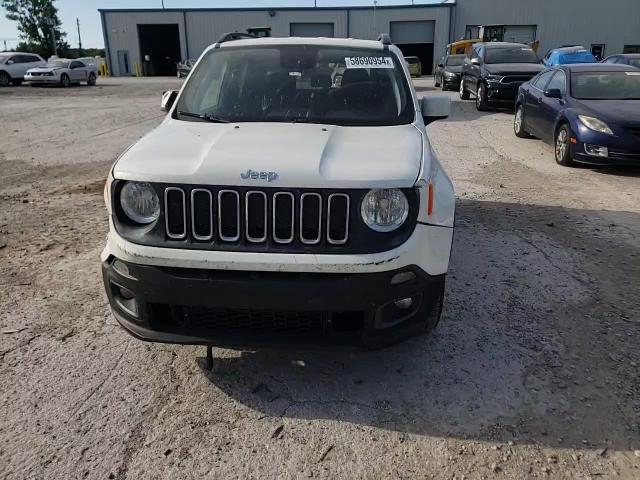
(36, 20)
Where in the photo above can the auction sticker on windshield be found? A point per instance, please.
(368, 62)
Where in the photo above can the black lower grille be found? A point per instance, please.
(207, 321)
(275, 321)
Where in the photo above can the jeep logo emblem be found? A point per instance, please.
(253, 175)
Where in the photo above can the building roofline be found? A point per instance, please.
(274, 9)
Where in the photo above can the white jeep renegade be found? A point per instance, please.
(290, 196)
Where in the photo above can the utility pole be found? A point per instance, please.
(5, 46)
(162, 1)
(51, 22)
(375, 24)
(79, 38)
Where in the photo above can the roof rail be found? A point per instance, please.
(385, 39)
(231, 36)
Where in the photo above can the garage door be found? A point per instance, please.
(520, 33)
(412, 32)
(311, 30)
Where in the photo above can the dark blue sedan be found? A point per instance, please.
(590, 112)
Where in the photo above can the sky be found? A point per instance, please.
(91, 30)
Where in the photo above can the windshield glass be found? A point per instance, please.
(59, 63)
(299, 83)
(510, 55)
(3, 58)
(412, 60)
(606, 85)
(455, 61)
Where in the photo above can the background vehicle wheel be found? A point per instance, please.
(4, 79)
(563, 146)
(464, 95)
(436, 83)
(17, 83)
(65, 81)
(92, 79)
(481, 98)
(518, 123)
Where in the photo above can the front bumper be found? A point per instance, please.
(451, 82)
(502, 92)
(41, 79)
(253, 309)
(617, 156)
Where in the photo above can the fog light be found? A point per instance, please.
(404, 304)
(402, 277)
(596, 150)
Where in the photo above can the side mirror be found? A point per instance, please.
(475, 61)
(435, 107)
(553, 93)
(168, 99)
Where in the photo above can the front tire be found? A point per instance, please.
(91, 81)
(4, 79)
(518, 123)
(65, 81)
(464, 94)
(481, 98)
(563, 146)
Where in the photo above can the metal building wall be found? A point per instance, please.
(205, 27)
(362, 23)
(614, 23)
(201, 28)
(121, 33)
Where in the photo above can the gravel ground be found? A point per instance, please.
(533, 372)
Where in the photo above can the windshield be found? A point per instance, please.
(3, 58)
(298, 83)
(412, 60)
(455, 61)
(510, 55)
(606, 85)
(59, 63)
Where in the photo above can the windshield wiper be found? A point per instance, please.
(204, 116)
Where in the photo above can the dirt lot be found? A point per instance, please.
(533, 372)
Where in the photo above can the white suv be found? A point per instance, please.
(291, 195)
(14, 65)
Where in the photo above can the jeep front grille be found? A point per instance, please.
(256, 216)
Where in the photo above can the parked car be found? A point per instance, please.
(13, 66)
(568, 55)
(448, 72)
(632, 59)
(591, 113)
(185, 67)
(288, 210)
(494, 71)
(415, 66)
(62, 72)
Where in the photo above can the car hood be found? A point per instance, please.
(511, 68)
(301, 155)
(622, 112)
(456, 69)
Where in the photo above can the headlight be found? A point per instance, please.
(494, 78)
(449, 74)
(595, 124)
(384, 210)
(140, 202)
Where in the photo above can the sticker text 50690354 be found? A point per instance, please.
(369, 62)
